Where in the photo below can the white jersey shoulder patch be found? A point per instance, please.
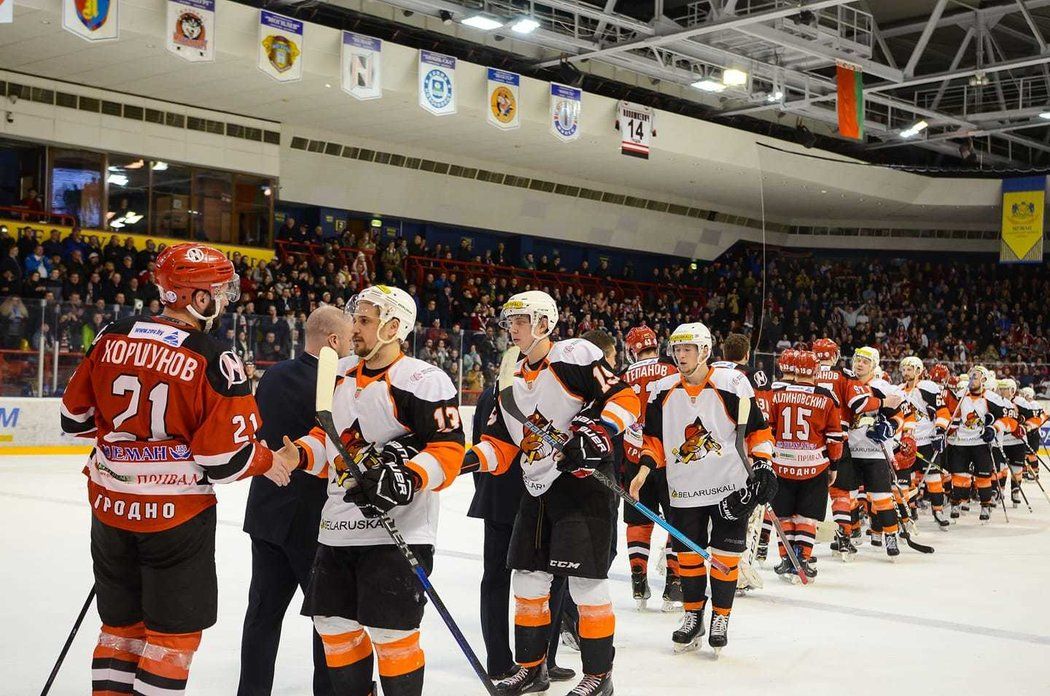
(575, 351)
(420, 378)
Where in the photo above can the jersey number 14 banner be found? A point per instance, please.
(636, 129)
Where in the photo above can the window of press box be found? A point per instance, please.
(76, 186)
(172, 214)
(253, 209)
(127, 194)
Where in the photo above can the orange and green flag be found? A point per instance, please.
(850, 83)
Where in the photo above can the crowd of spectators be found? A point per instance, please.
(956, 311)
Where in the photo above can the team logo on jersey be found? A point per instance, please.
(698, 443)
(533, 446)
(973, 420)
(232, 369)
(760, 378)
(353, 441)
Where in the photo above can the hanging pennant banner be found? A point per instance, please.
(280, 46)
(565, 112)
(503, 99)
(191, 29)
(362, 77)
(91, 20)
(636, 129)
(437, 83)
(7, 11)
(1024, 209)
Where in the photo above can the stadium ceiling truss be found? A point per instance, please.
(987, 101)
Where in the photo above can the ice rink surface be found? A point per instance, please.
(971, 619)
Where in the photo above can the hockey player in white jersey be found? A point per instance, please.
(875, 417)
(398, 415)
(565, 525)
(926, 430)
(982, 414)
(1026, 416)
(690, 430)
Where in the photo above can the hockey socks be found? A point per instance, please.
(116, 658)
(164, 666)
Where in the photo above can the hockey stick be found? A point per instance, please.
(1035, 478)
(914, 545)
(506, 400)
(1033, 452)
(69, 641)
(743, 414)
(327, 366)
(998, 483)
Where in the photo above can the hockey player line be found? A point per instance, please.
(743, 414)
(327, 367)
(506, 400)
(906, 517)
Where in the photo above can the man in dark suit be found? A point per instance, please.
(496, 500)
(283, 522)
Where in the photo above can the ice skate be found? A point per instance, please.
(956, 512)
(892, 549)
(672, 595)
(843, 546)
(594, 685)
(640, 589)
(687, 637)
(719, 637)
(785, 571)
(528, 680)
(942, 522)
(986, 514)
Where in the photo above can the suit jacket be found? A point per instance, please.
(496, 498)
(289, 515)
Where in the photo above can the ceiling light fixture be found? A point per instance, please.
(708, 84)
(1046, 115)
(734, 77)
(482, 21)
(160, 166)
(915, 129)
(775, 97)
(525, 25)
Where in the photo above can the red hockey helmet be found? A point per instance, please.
(184, 268)
(940, 373)
(806, 363)
(786, 361)
(826, 349)
(641, 338)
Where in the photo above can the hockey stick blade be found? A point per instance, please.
(743, 415)
(902, 528)
(505, 383)
(327, 367)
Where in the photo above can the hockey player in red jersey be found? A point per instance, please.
(399, 415)
(563, 526)
(648, 367)
(690, 430)
(807, 434)
(845, 508)
(171, 413)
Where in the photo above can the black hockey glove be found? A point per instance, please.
(881, 430)
(759, 490)
(388, 484)
(939, 437)
(988, 434)
(589, 446)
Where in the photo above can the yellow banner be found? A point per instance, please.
(1022, 225)
(43, 232)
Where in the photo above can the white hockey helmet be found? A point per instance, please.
(1027, 393)
(393, 303)
(1007, 384)
(535, 304)
(693, 334)
(912, 361)
(868, 353)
